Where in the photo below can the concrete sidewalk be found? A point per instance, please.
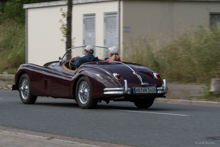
(187, 102)
(14, 139)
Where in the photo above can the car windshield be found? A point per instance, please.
(100, 52)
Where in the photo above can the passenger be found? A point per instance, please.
(113, 54)
(89, 50)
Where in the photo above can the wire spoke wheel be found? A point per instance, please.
(25, 90)
(84, 94)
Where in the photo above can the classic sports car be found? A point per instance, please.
(91, 83)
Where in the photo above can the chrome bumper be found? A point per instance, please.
(13, 87)
(126, 90)
(163, 89)
(118, 91)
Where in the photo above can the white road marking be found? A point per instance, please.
(156, 113)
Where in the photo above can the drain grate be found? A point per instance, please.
(214, 138)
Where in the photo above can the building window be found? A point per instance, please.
(214, 20)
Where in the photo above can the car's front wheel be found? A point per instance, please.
(145, 103)
(84, 94)
(25, 91)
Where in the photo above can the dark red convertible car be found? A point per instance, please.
(91, 83)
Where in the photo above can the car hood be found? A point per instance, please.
(126, 70)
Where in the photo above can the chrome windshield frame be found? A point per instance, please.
(81, 47)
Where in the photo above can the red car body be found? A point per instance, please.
(106, 81)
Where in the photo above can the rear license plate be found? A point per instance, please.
(144, 90)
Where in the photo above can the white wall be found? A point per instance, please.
(44, 34)
(163, 20)
(192, 15)
(151, 19)
(99, 10)
(158, 20)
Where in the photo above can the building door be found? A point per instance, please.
(89, 30)
(214, 20)
(111, 31)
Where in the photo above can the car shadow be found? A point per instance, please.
(153, 108)
(70, 105)
(112, 107)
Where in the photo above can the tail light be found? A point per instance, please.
(117, 76)
(156, 75)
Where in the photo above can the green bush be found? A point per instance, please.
(189, 58)
(12, 45)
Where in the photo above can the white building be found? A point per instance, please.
(96, 22)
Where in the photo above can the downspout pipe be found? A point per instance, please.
(119, 25)
(26, 35)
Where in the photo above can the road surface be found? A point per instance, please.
(163, 125)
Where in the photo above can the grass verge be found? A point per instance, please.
(191, 57)
(209, 95)
(12, 46)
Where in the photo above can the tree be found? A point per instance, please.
(69, 27)
(3, 2)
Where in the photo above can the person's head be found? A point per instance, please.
(89, 50)
(113, 52)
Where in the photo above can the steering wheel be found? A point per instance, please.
(70, 64)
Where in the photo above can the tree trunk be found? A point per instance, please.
(3, 6)
(69, 28)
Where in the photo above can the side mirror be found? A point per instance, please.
(60, 60)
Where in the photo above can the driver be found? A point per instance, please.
(89, 50)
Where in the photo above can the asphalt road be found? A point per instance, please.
(163, 125)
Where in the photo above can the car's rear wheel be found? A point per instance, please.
(25, 90)
(84, 94)
(145, 103)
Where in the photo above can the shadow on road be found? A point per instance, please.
(102, 106)
(70, 105)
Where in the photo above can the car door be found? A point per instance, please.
(40, 80)
(60, 85)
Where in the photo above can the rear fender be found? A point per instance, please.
(17, 79)
(99, 80)
(21, 70)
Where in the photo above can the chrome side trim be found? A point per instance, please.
(144, 84)
(164, 84)
(115, 89)
(138, 76)
(114, 93)
(163, 89)
(118, 91)
(126, 87)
